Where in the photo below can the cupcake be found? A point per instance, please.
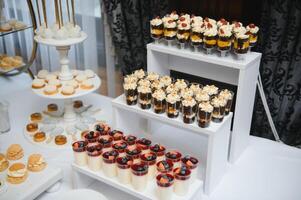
(145, 97)
(204, 114)
(252, 31)
(173, 105)
(130, 91)
(210, 35)
(189, 110)
(224, 38)
(170, 29)
(156, 28)
(159, 101)
(219, 105)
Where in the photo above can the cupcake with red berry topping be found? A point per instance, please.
(109, 163)
(252, 31)
(192, 164)
(106, 141)
(120, 146)
(159, 150)
(94, 157)
(139, 176)
(116, 135)
(144, 145)
(124, 169)
(156, 28)
(150, 160)
(182, 180)
(174, 157)
(134, 153)
(165, 186)
(130, 140)
(79, 152)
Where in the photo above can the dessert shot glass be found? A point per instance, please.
(79, 152)
(109, 166)
(94, 157)
(139, 176)
(120, 147)
(192, 164)
(159, 101)
(219, 105)
(159, 150)
(204, 114)
(182, 180)
(241, 45)
(165, 186)
(172, 105)
(228, 96)
(144, 144)
(145, 97)
(124, 169)
(150, 160)
(156, 29)
(133, 153)
(131, 93)
(174, 157)
(189, 110)
(106, 141)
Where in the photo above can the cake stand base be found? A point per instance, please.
(69, 115)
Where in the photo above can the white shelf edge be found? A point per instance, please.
(213, 128)
(147, 194)
(227, 61)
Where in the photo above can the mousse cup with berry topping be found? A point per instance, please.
(210, 35)
(189, 110)
(173, 105)
(150, 159)
(182, 182)
(92, 137)
(183, 33)
(192, 164)
(94, 157)
(174, 157)
(133, 153)
(204, 114)
(79, 152)
(131, 93)
(224, 40)
(120, 147)
(219, 106)
(159, 150)
(144, 145)
(124, 169)
(156, 28)
(116, 135)
(139, 176)
(102, 128)
(164, 166)
(165, 186)
(106, 141)
(145, 97)
(109, 166)
(159, 101)
(130, 140)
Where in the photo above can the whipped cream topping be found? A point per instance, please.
(151, 76)
(236, 25)
(157, 84)
(130, 79)
(189, 102)
(216, 102)
(252, 28)
(180, 84)
(144, 82)
(170, 24)
(240, 29)
(206, 107)
(195, 88)
(209, 20)
(166, 80)
(17, 173)
(144, 89)
(171, 88)
(210, 32)
(202, 96)
(38, 82)
(159, 95)
(197, 20)
(174, 16)
(172, 98)
(184, 26)
(222, 22)
(198, 29)
(139, 73)
(225, 31)
(186, 92)
(130, 86)
(210, 89)
(42, 74)
(226, 94)
(241, 35)
(156, 22)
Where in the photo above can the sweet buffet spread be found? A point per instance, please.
(192, 102)
(209, 33)
(135, 162)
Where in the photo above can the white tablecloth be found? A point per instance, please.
(266, 171)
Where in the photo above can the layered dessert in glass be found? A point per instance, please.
(182, 180)
(92, 137)
(165, 80)
(228, 96)
(219, 105)
(183, 33)
(94, 157)
(150, 160)
(157, 85)
(211, 90)
(202, 97)
(192, 164)
(170, 29)
(79, 152)
(109, 166)
(210, 36)
(131, 93)
(156, 26)
(241, 43)
(159, 101)
(224, 39)
(134, 153)
(174, 157)
(116, 135)
(189, 110)
(145, 97)
(196, 36)
(173, 105)
(144, 144)
(139, 176)
(152, 76)
(165, 186)
(120, 147)
(164, 166)
(252, 31)
(124, 169)
(171, 89)
(204, 114)
(159, 150)
(130, 140)
(130, 79)
(106, 141)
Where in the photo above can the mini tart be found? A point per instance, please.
(72, 83)
(39, 137)
(14, 152)
(87, 84)
(16, 168)
(89, 73)
(80, 78)
(32, 127)
(3, 163)
(50, 90)
(55, 82)
(36, 117)
(36, 163)
(67, 90)
(60, 140)
(38, 83)
(52, 107)
(42, 74)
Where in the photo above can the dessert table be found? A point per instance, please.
(267, 170)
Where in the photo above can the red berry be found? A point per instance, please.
(209, 25)
(252, 25)
(182, 19)
(221, 31)
(184, 24)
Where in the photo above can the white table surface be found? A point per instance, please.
(266, 171)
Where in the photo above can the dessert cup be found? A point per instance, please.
(173, 105)
(174, 157)
(139, 176)
(211, 90)
(219, 105)
(150, 160)
(102, 128)
(130, 140)
(209, 43)
(131, 94)
(165, 186)
(145, 97)
(124, 169)
(92, 137)
(223, 45)
(202, 97)
(106, 141)
(116, 135)
(159, 101)
(182, 182)
(133, 153)
(159, 150)
(120, 147)
(228, 96)
(204, 114)
(252, 31)
(196, 39)
(164, 166)
(195, 88)
(156, 29)
(189, 110)
(94, 157)
(170, 30)
(109, 166)
(241, 45)
(192, 164)
(144, 144)
(79, 152)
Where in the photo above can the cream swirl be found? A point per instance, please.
(252, 28)
(130, 86)
(156, 22)
(144, 89)
(225, 31)
(184, 26)
(159, 95)
(189, 102)
(180, 84)
(151, 76)
(202, 96)
(210, 89)
(172, 98)
(144, 82)
(206, 107)
(226, 94)
(139, 73)
(171, 89)
(186, 92)
(210, 32)
(157, 84)
(166, 80)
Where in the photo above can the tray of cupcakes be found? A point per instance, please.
(208, 33)
(147, 170)
(18, 171)
(194, 103)
(48, 84)
(48, 129)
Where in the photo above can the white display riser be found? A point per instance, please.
(83, 177)
(242, 73)
(174, 134)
